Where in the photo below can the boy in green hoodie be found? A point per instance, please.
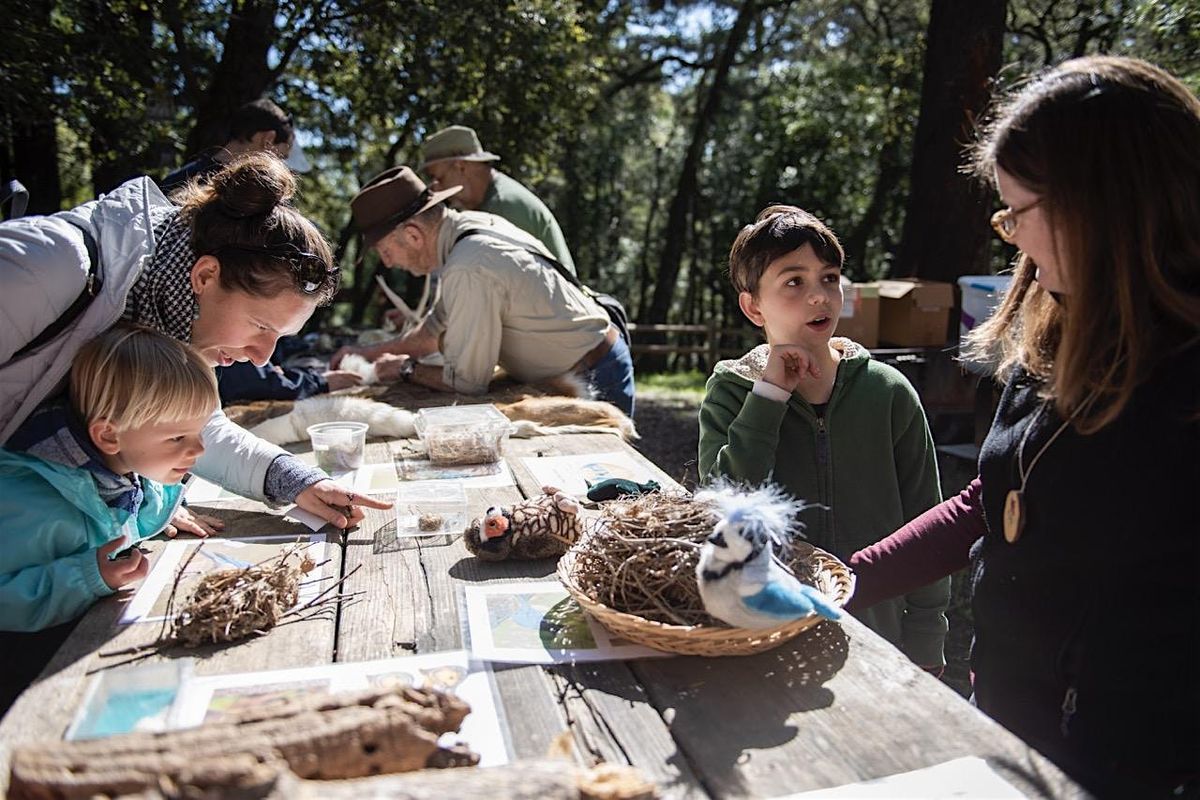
(84, 480)
(821, 418)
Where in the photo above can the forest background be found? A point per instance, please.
(653, 128)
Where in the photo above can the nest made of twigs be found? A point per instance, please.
(231, 604)
(635, 571)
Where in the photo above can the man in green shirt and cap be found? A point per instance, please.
(454, 157)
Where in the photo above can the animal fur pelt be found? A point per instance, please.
(531, 416)
(382, 419)
(360, 367)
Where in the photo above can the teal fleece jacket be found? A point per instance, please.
(868, 467)
(53, 522)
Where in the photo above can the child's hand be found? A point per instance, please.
(123, 571)
(200, 525)
(788, 364)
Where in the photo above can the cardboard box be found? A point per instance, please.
(860, 314)
(914, 313)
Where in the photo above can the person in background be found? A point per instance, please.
(1081, 530)
(454, 157)
(256, 127)
(821, 418)
(501, 301)
(245, 381)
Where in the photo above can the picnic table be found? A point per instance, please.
(834, 706)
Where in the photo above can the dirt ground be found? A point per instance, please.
(670, 437)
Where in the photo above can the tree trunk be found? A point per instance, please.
(28, 138)
(678, 216)
(946, 218)
(243, 74)
(891, 170)
(31, 156)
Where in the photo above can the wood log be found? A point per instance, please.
(318, 736)
(545, 779)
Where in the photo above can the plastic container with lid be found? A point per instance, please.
(429, 508)
(472, 434)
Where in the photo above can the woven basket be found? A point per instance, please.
(832, 577)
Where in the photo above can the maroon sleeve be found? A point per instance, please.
(932, 546)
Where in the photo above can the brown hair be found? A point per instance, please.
(243, 216)
(260, 115)
(1112, 148)
(777, 231)
(133, 376)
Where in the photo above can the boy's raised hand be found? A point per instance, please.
(123, 571)
(788, 364)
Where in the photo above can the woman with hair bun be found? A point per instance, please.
(1081, 529)
(229, 270)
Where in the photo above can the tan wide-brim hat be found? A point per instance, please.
(390, 198)
(456, 143)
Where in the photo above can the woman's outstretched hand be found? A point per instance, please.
(337, 504)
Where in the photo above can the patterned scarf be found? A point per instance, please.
(162, 297)
(55, 433)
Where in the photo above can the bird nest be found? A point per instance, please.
(232, 604)
(229, 605)
(635, 571)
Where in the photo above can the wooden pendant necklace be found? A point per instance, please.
(1014, 501)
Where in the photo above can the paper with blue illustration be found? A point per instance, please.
(181, 564)
(127, 699)
(539, 623)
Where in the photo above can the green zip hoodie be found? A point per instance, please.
(868, 464)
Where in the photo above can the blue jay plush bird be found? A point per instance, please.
(741, 583)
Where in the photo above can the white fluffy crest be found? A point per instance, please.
(382, 419)
(769, 503)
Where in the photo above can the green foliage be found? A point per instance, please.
(689, 384)
(591, 103)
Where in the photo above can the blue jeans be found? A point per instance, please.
(612, 377)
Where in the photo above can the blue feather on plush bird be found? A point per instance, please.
(741, 581)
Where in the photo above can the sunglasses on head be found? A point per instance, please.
(310, 269)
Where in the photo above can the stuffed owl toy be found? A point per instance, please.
(541, 527)
(741, 582)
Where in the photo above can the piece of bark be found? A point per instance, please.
(546, 779)
(317, 736)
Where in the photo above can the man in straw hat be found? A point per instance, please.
(454, 157)
(501, 302)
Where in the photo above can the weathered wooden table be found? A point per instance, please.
(834, 706)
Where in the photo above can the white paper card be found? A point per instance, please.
(149, 603)
(539, 623)
(305, 518)
(575, 474)
(969, 778)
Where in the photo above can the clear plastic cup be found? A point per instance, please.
(339, 446)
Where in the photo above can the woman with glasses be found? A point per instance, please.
(229, 270)
(1082, 530)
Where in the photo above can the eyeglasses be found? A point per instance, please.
(1004, 221)
(310, 269)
